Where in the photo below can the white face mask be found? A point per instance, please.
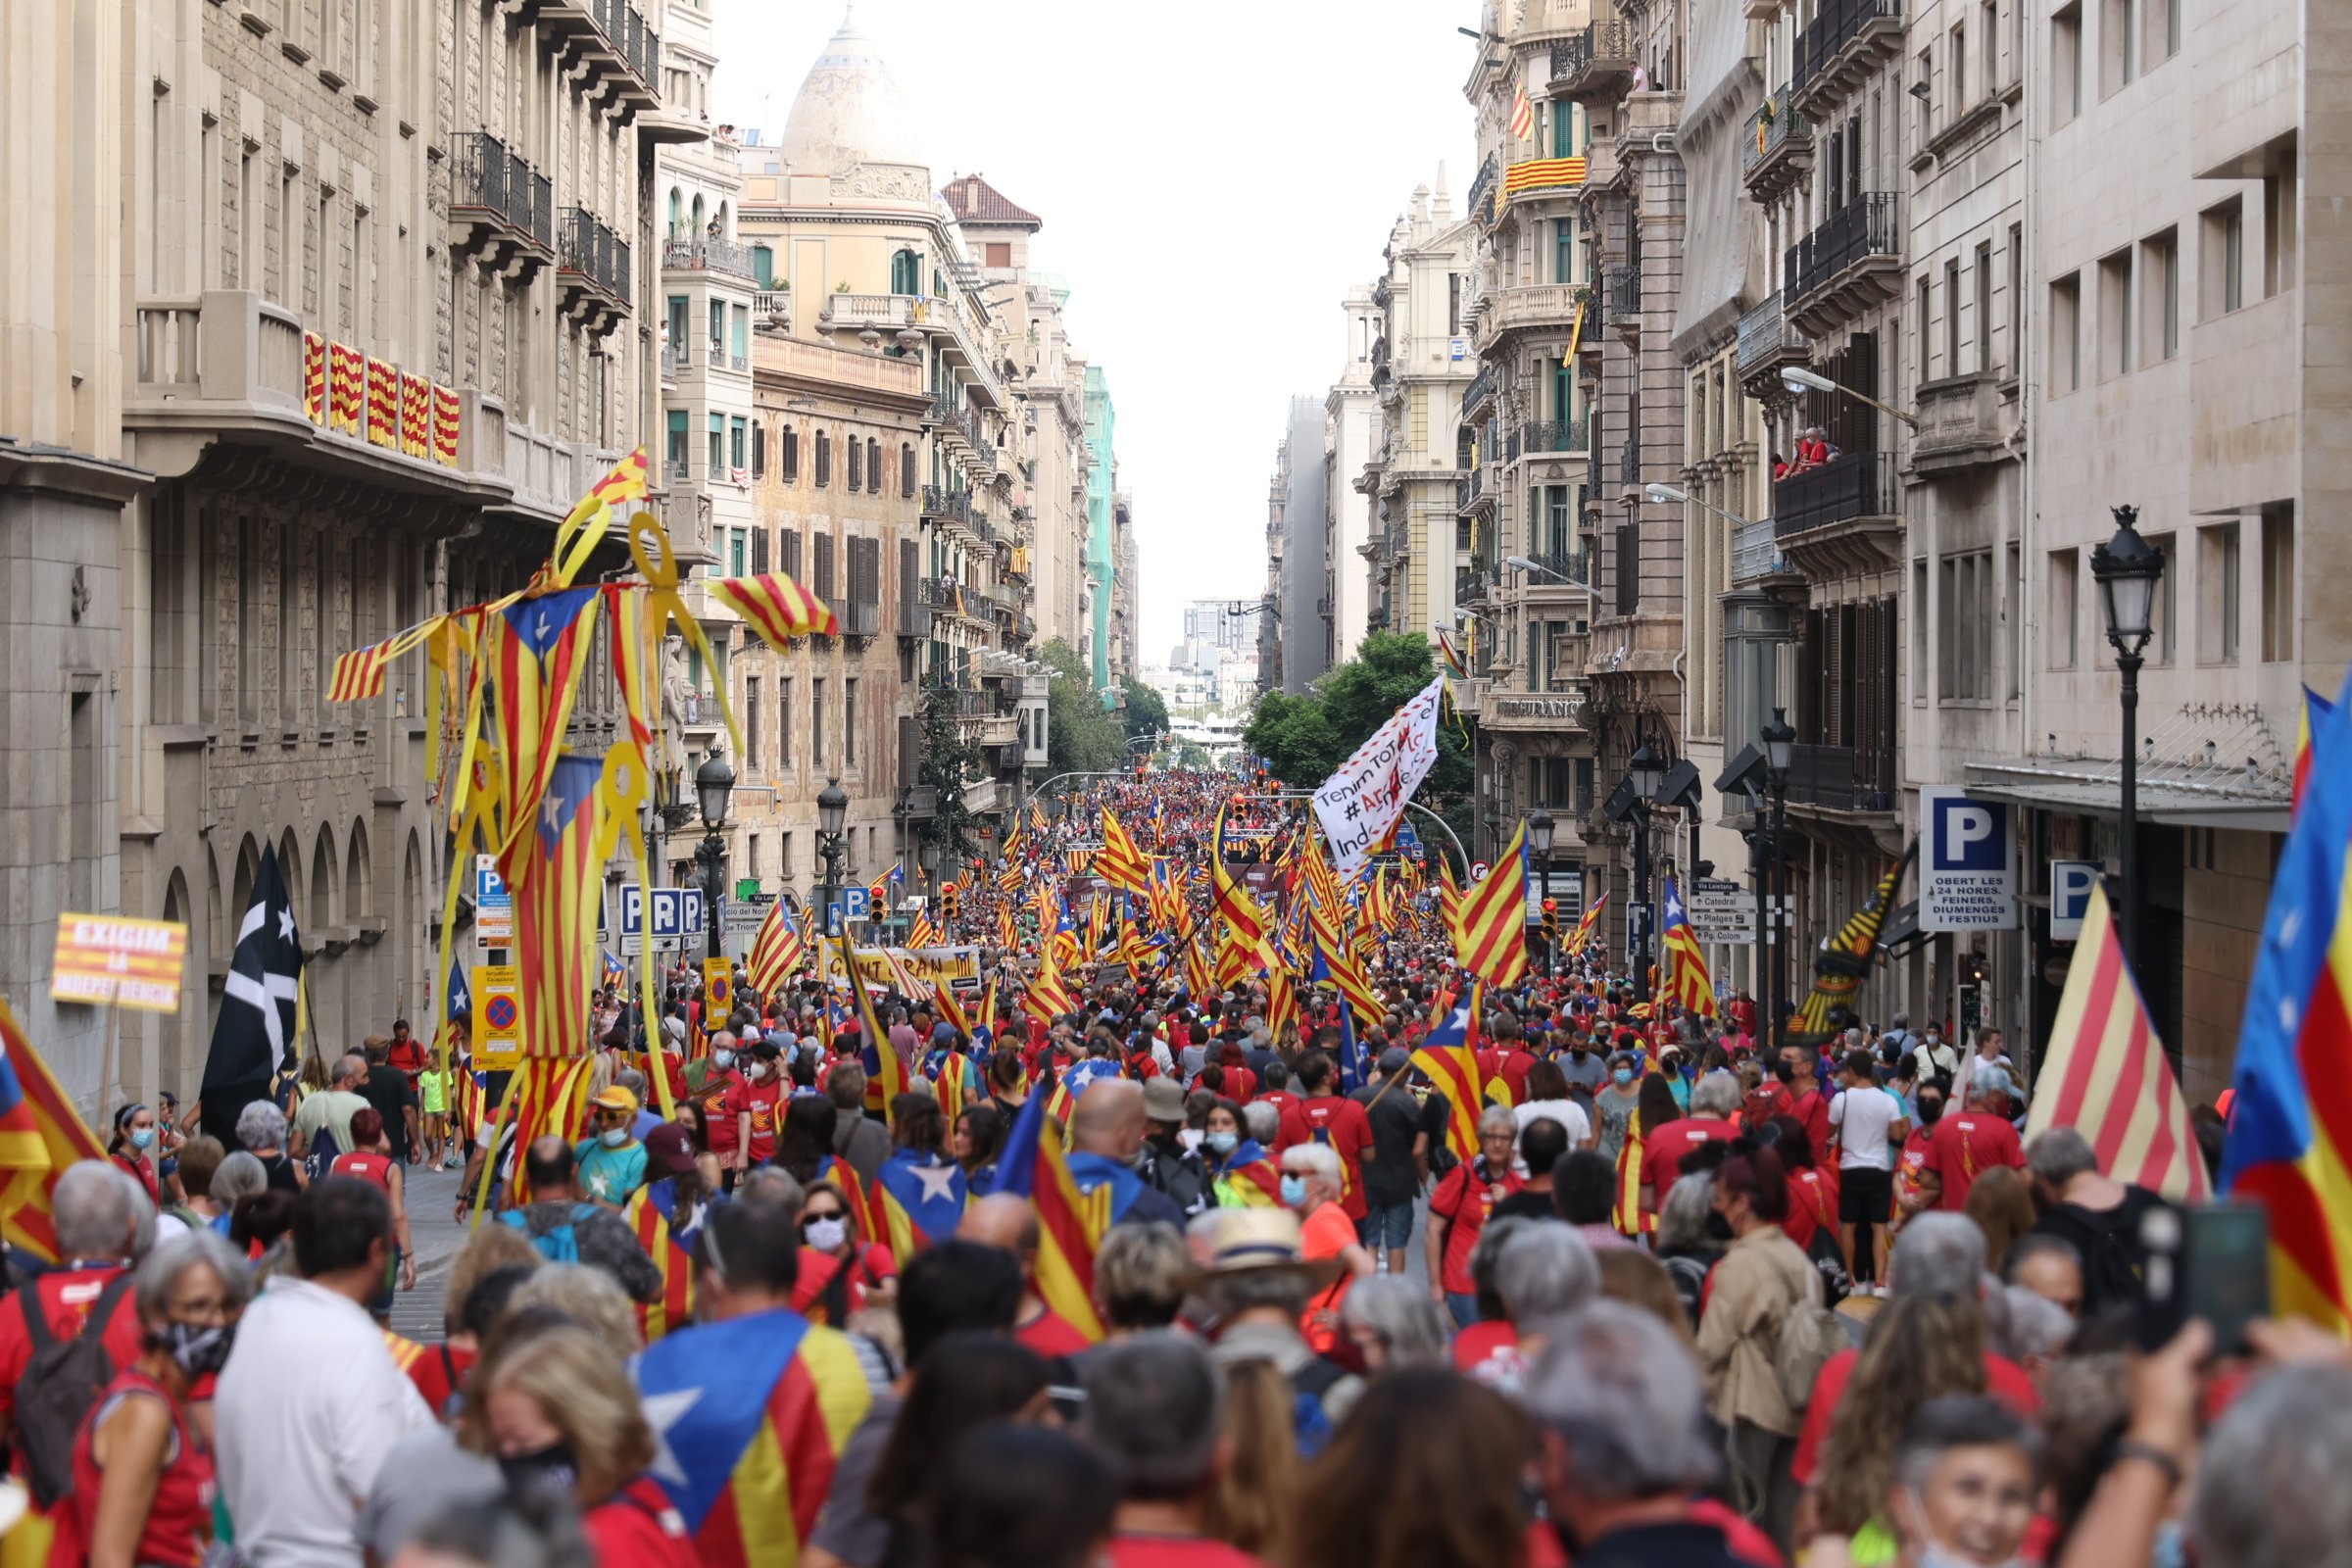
(725, 1059)
(614, 1137)
(827, 1234)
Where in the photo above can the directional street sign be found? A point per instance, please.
(1725, 911)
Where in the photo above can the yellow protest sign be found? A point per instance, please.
(109, 960)
(497, 1016)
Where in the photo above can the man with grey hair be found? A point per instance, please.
(2096, 1215)
(1624, 1443)
(1545, 1273)
(1936, 1255)
(1155, 1407)
(1714, 1102)
(2269, 1490)
(331, 1108)
(1966, 1144)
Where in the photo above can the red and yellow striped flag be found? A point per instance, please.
(1120, 861)
(1490, 924)
(777, 953)
(1523, 114)
(775, 607)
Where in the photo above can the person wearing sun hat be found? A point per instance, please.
(611, 1164)
(1253, 1292)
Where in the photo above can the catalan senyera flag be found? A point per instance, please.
(1282, 1001)
(1120, 861)
(40, 1135)
(360, 673)
(673, 1309)
(555, 910)
(2313, 713)
(1585, 926)
(538, 651)
(750, 1416)
(2290, 1144)
(777, 953)
(1048, 994)
(1070, 1220)
(1007, 937)
(1626, 1213)
(1199, 980)
(775, 607)
(1523, 114)
(950, 1011)
(887, 1068)
(1490, 930)
(1446, 1055)
(1687, 983)
(1843, 961)
(922, 934)
(2104, 1072)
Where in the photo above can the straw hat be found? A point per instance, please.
(1257, 1240)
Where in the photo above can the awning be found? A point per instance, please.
(2210, 764)
(1901, 931)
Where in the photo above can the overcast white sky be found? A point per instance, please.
(1213, 176)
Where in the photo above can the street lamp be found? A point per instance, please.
(2128, 570)
(1779, 750)
(713, 783)
(1527, 564)
(1540, 828)
(1645, 772)
(1802, 380)
(832, 811)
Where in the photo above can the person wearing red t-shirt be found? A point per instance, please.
(756, 1107)
(1812, 1189)
(1714, 1100)
(1966, 1144)
(712, 1082)
(1795, 1070)
(1152, 1405)
(1007, 1223)
(1914, 1157)
(1767, 1099)
(1458, 1210)
(1334, 1119)
(405, 1054)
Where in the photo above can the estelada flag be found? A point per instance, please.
(2104, 1072)
(40, 1137)
(1446, 1055)
(673, 1307)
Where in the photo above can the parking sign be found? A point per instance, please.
(1967, 881)
(2071, 882)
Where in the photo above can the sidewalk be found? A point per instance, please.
(430, 1195)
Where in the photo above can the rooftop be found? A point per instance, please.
(974, 199)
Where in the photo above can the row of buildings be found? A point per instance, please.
(1789, 359)
(321, 316)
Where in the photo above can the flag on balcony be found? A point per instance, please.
(1454, 667)
(777, 608)
(1687, 983)
(1845, 960)
(1523, 114)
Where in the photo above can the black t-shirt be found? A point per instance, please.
(389, 1091)
(2108, 1242)
(1435, 1111)
(1523, 1205)
(1390, 1177)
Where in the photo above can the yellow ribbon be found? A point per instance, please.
(657, 565)
(584, 525)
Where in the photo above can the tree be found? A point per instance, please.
(949, 760)
(1080, 737)
(1146, 712)
(1306, 738)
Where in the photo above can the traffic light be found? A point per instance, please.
(946, 899)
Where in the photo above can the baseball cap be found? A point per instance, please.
(614, 1098)
(670, 1146)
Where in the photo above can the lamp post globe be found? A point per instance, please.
(832, 807)
(2128, 570)
(1539, 829)
(714, 785)
(1647, 770)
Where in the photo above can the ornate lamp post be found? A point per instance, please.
(2128, 570)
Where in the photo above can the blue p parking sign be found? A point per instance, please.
(1967, 872)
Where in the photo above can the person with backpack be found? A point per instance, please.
(370, 1161)
(1255, 1288)
(64, 1334)
(323, 1124)
(2093, 1213)
(141, 1466)
(566, 1228)
(1761, 1296)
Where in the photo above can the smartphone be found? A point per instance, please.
(2212, 1263)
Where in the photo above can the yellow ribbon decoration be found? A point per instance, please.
(584, 525)
(657, 565)
(621, 797)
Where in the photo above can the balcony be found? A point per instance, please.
(607, 46)
(1596, 63)
(1563, 572)
(1532, 177)
(914, 613)
(1844, 517)
(1625, 300)
(592, 271)
(858, 621)
(886, 314)
(707, 256)
(1482, 191)
(502, 211)
(773, 308)
(1767, 342)
(1959, 424)
(1756, 555)
(1853, 264)
(670, 364)
(1553, 436)
(1480, 389)
(1842, 778)
(945, 505)
(1846, 41)
(1629, 465)
(1778, 151)
(1538, 308)
(1462, 491)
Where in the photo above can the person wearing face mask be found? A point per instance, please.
(555, 1409)
(1617, 1102)
(1310, 1187)
(1764, 1277)
(142, 1462)
(707, 1084)
(1909, 1197)
(753, 1105)
(610, 1164)
(838, 1273)
(132, 1147)
(1244, 1173)
(1966, 1480)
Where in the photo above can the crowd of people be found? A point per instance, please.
(1695, 1297)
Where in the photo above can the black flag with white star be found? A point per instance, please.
(259, 1003)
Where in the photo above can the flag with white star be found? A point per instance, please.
(254, 1035)
(918, 1199)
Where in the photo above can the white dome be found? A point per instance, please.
(849, 111)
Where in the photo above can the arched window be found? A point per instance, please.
(763, 267)
(906, 272)
(677, 213)
(696, 232)
(907, 469)
(874, 466)
(824, 460)
(857, 465)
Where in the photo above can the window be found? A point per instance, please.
(2221, 260)
(907, 469)
(820, 565)
(2066, 609)
(2166, 615)
(1922, 330)
(824, 460)
(2115, 314)
(2066, 334)
(849, 722)
(784, 845)
(2172, 29)
(677, 329)
(758, 450)
(739, 336)
(1985, 308)
(1989, 29)
(678, 441)
(1919, 629)
(736, 432)
(735, 553)
(1959, 85)
(2218, 594)
(1965, 637)
(1927, 124)
(2017, 295)
(2160, 297)
(999, 253)
(759, 549)
(1951, 317)
(784, 746)
(857, 456)
(906, 272)
(874, 466)
(2013, 606)
(816, 722)
(2279, 583)
(791, 454)
(2066, 65)
(2279, 228)
(751, 724)
(719, 331)
(2118, 45)
(764, 276)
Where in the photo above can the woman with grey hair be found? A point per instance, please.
(1686, 1241)
(262, 1129)
(239, 1175)
(1394, 1325)
(142, 1464)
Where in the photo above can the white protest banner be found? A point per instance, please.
(1359, 804)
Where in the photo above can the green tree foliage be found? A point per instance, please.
(1305, 738)
(1080, 737)
(1146, 712)
(948, 760)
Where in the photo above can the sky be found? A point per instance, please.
(1212, 177)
